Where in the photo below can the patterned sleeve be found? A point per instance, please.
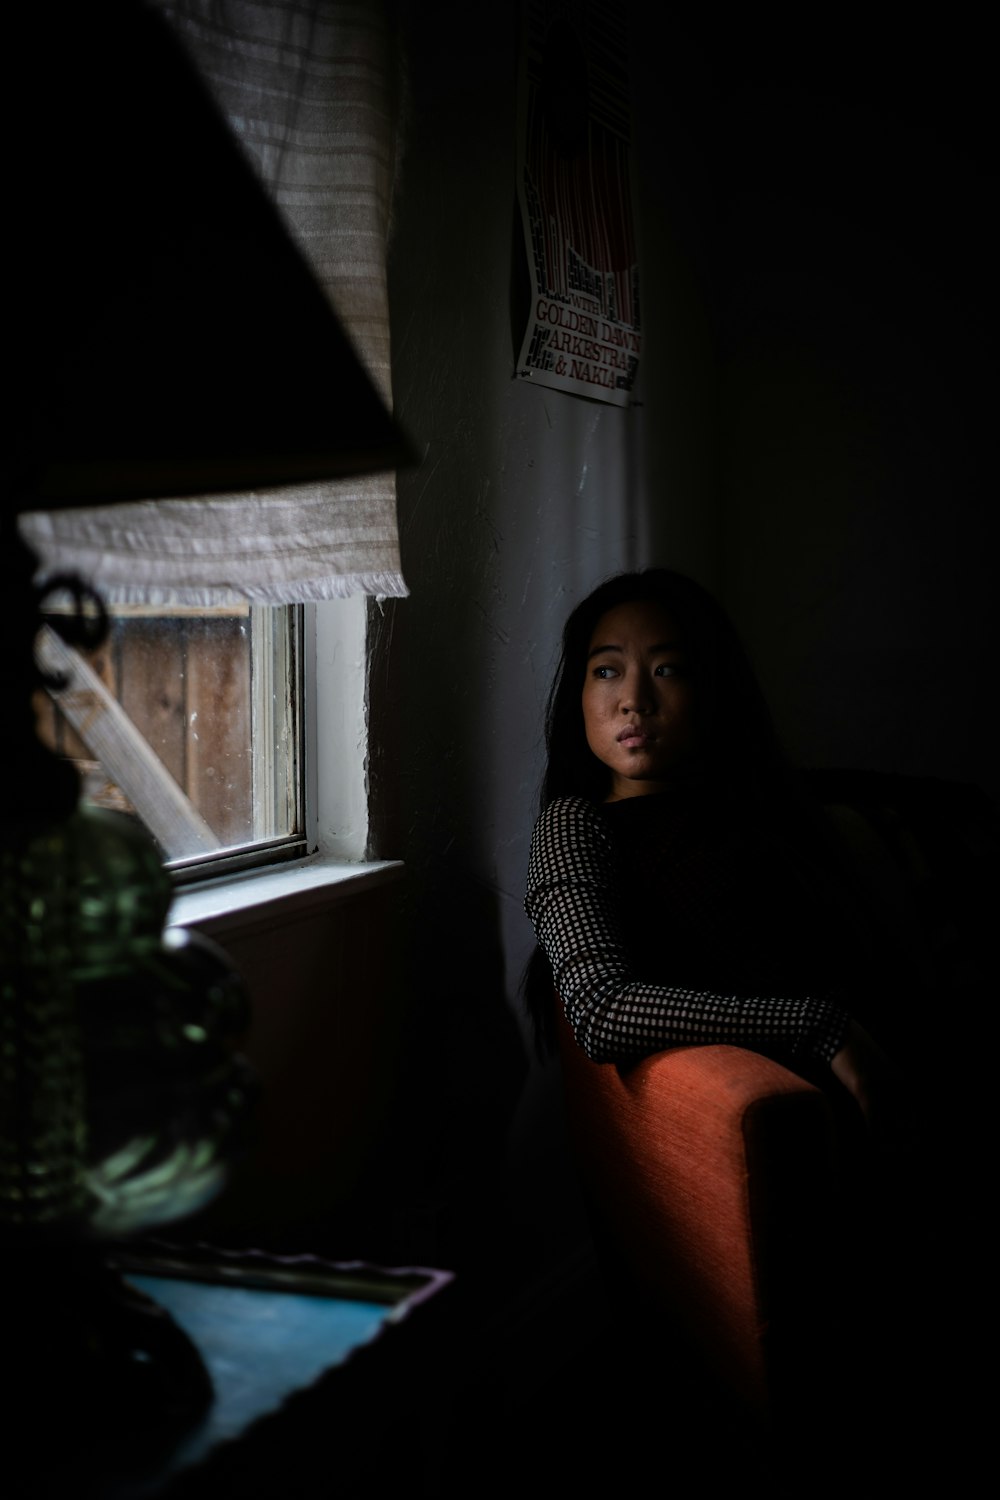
(616, 1015)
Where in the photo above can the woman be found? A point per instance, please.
(686, 888)
(682, 887)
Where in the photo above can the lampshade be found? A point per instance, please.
(165, 335)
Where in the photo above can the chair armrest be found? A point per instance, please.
(713, 1173)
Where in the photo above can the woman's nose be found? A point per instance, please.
(636, 697)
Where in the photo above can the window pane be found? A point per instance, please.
(189, 720)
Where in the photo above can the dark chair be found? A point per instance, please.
(719, 1181)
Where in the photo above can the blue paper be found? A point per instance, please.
(259, 1347)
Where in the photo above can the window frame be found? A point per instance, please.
(332, 685)
(270, 848)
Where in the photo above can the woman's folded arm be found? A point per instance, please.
(615, 1013)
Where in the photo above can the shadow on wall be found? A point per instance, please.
(853, 302)
(438, 1184)
(389, 1067)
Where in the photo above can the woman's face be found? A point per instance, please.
(637, 700)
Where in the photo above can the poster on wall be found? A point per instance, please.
(575, 197)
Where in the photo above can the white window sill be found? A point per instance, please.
(247, 901)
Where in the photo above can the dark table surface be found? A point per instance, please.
(323, 1377)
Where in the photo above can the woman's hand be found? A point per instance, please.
(861, 1067)
(874, 1081)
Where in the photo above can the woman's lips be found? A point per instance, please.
(632, 736)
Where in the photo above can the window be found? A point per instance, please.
(190, 719)
(236, 735)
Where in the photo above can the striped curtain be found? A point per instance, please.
(309, 88)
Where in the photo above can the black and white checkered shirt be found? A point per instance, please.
(663, 930)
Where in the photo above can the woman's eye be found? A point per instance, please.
(669, 669)
(603, 673)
